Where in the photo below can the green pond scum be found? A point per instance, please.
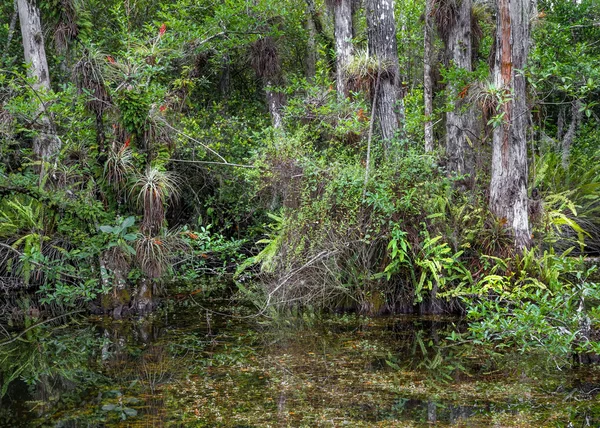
(189, 366)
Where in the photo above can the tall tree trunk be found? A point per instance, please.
(11, 31)
(275, 102)
(461, 121)
(311, 45)
(267, 65)
(427, 82)
(356, 5)
(342, 15)
(225, 80)
(508, 187)
(45, 145)
(381, 30)
(560, 124)
(324, 37)
(567, 141)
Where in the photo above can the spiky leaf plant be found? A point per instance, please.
(151, 256)
(363, 70)
(154, 188)
(265, 59)
(154, 254)
(118, 165)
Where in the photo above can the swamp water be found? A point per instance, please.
(187, 366)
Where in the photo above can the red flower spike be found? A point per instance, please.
(162, 31)
(162, 108)
(110, 59)
(127, 141)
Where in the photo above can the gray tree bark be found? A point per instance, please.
(311, 45)
(45, 144)
(342, 15)
(508, 187)
(381, 31)
(567, 140)
(427, 82)
(461, 121)
(560, 123)
(267, 65)
(275, 102)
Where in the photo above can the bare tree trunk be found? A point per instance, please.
(325, 38)
(508, 187)
(356, 5)
(381, 30)
(45, 145)
(560, 123)
(275, 101)
(267, 65)
(567, 141)
(460, 122)
(427, 83)
(311, 45)
(342, 15)
(225, 81)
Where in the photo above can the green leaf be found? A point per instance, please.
(128, 222)
(130, 412)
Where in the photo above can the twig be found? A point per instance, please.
(8, 247)
(6, 342)
(369, 139)
(193, 139)
(214, 163)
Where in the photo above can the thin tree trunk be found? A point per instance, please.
(381, 30)
(508, 187)
(11, 31)
(275, 101)
(45, 145)
(311, 45)
(225, 81)
(342, 15)
(427, 82)
(267, 65)
(567, 141)
(460, 122)
(356, 5)
(560, 125)
(325, 38)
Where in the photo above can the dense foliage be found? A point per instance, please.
(207, 138)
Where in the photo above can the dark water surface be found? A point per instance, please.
(186, 366)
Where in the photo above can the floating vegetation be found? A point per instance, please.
(179, 368)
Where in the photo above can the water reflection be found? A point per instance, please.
(181, 368)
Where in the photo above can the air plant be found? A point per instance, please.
(154, 188)
(118, 165)
(151, 256)
(363, 70)
(444, 15)
(156, 130)
(265, 59)
(88, 75)
(154, 253)
(67, 28)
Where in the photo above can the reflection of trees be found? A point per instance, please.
(51, 362)
(421, 345)
(134, 355)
